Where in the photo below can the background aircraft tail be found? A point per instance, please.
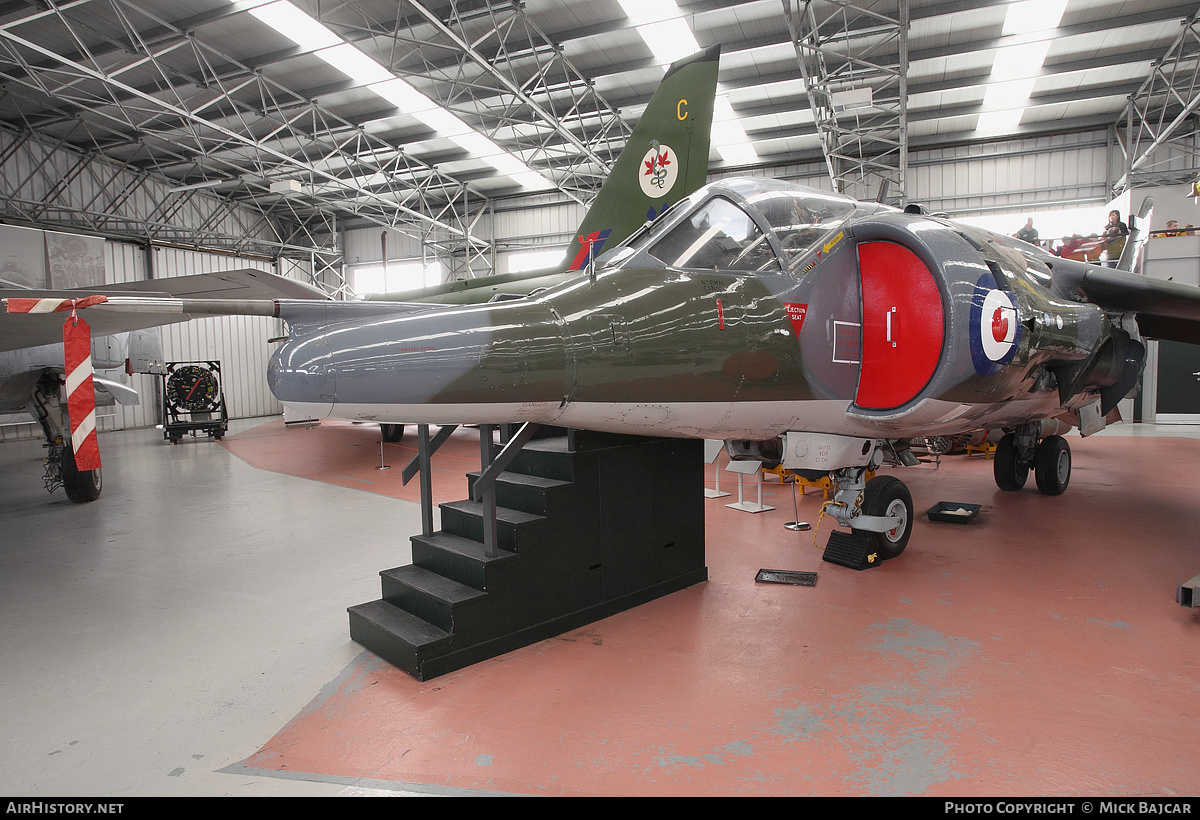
(1139, 230)
(665, 160)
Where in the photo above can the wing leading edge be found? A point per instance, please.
(160, 304)
(1164, 310)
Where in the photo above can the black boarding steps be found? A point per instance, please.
(582, 534)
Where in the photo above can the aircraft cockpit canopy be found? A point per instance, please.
(718, 236)
(724, 227)
(800, 218)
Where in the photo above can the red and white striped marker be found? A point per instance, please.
(77, 355)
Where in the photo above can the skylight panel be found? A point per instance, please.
(354, 64)
(297, 26)
(1034, 15)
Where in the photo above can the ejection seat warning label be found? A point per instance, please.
(796, 313)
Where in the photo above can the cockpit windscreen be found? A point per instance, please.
(717, 236)
(800, 218)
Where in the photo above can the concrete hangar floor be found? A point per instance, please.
(187, 635)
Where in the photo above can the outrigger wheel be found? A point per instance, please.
(79, 485)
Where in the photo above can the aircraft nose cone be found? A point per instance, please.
(301, 375)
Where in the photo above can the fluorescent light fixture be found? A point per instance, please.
(726, 132)
(442, 121)
(669, 39)
(286, 186)
(1008, 94)
(402, 95)
(532, 179)
(649, 11)
(999, 122)
(739, 153)
(212, 183)
(661, 25)
(507, 164)
(1013, 61)
(728, 136)
(1033, 15)
(297, 26)
(476, 143)
(354, 64)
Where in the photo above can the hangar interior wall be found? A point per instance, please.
(238, 342)
(1051, 173)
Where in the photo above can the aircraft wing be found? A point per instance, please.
(1165, 310)
(127, 311)
(161, 305)
(245, 283)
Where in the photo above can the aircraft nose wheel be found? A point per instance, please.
(887, 495)
(1052, 465)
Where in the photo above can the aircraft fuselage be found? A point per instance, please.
(871, 323)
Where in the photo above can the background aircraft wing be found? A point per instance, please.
(1165, 310)
(23, 330)
(245, 283)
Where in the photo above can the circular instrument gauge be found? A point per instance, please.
(193, 388)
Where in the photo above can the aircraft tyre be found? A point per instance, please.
(1052, 465)
(80, 486)
(887, 495)
(1010, 473)
(392, 433)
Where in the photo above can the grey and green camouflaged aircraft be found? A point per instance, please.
(802, 327)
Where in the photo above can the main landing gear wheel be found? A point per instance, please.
(1052, 465)
(392, 433)
(79, 485)
(887, 495)
(1010, 473)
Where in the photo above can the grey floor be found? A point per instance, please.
(158, 636)
(154, 639)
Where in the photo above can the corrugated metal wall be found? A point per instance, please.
(1053, 172)
(239, 343)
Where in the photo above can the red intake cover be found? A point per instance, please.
(902, 325)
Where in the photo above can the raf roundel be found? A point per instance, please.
(658, 171)
(995, 329)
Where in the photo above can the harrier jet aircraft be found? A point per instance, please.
(665, 159)
(802, 327)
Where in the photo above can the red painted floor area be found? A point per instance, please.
(1036, 651)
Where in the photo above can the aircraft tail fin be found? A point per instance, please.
(665, 160)
(1139, 229)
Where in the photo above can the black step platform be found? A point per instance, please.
(589, 525)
